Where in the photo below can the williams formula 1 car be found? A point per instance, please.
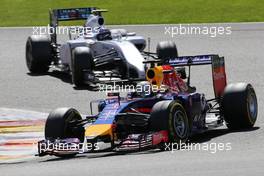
(92, 52)
(170, 113)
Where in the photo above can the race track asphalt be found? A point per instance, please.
(244, 53)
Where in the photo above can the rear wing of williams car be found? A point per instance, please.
(69, 14)
(218, 68)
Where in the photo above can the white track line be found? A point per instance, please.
(19, 114)
(24, 135)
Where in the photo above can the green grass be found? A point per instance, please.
(35, 12)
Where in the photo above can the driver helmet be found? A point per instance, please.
(95, 22)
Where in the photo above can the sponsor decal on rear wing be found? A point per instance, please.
(191, 60)
(71, 14)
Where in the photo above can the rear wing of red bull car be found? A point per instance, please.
(218, 68)
(217, 63)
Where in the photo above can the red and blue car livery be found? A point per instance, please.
(139, 121)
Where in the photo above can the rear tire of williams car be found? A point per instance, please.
(239, 106)
(82, 59)
(170, 115)
(58, 127)
(167, 50)
(38, 53)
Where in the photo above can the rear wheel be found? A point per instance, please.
(82, 60)
(239, 106)
(170, 115)
(38, 53)
(167, 50)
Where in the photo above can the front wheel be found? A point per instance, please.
(59, 125)
(239, 106)
(170, 115)
(82, 60)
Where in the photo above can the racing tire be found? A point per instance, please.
(38, 53)
(170, 115)
(239, 106)
(166, 50)
(57, 126)
(82, 59)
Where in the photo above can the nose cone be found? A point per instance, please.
(98, 130)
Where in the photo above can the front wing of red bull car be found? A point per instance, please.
(153, 119)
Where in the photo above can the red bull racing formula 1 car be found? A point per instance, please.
(170, 112)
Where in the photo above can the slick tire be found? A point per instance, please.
(239, 106)
(82, 59)
(166, 50)
(170, 115)
(38, 53)
(58, 126)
